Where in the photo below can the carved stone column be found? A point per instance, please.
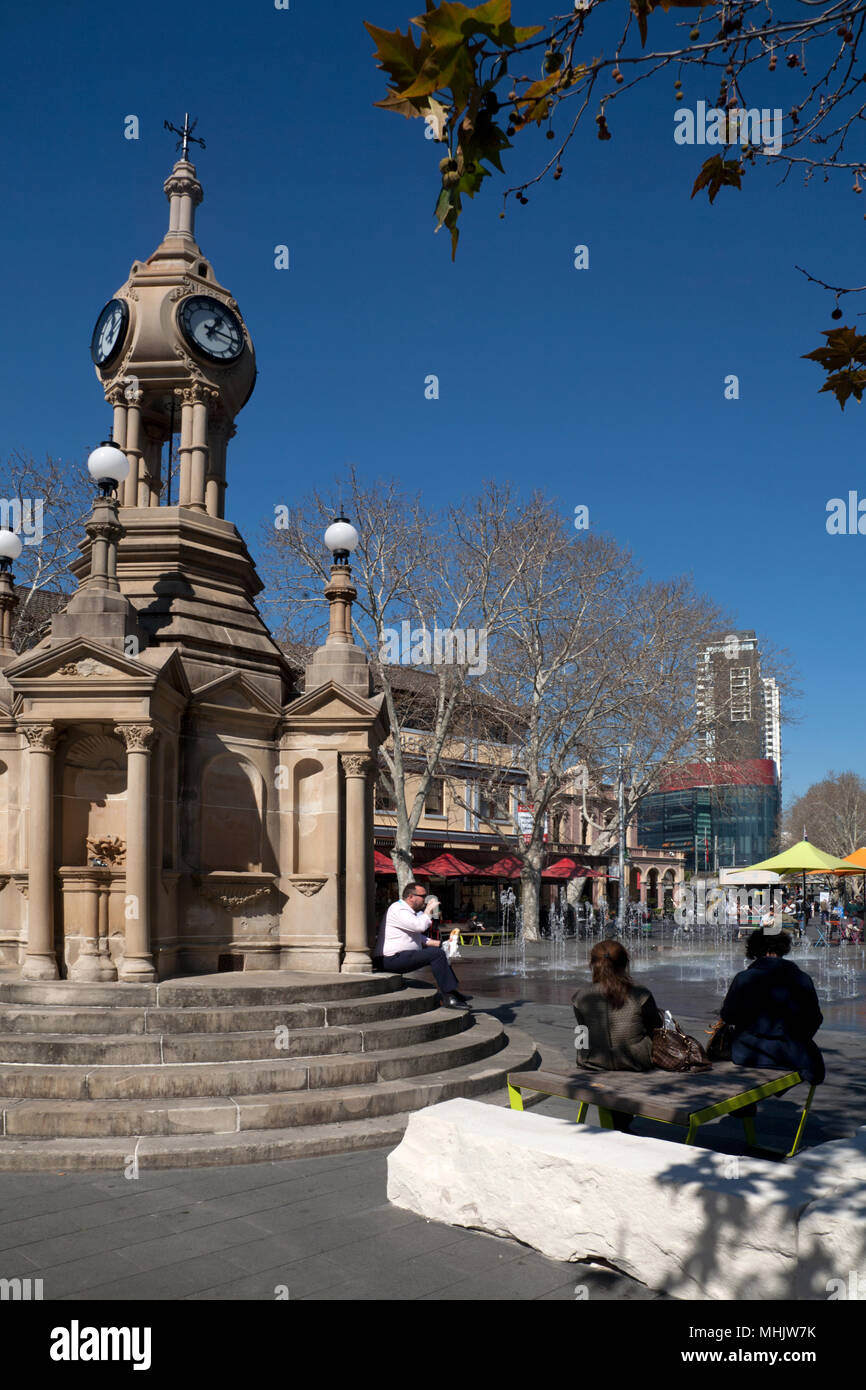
(202, 397)
(137, 964)
(40, 961)
(220, 432)
(185, 447)
(359, 857)
(133, 449)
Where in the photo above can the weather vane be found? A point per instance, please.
(185, 135)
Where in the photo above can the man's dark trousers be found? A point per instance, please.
(404, 962)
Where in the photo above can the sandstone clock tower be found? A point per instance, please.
(171, 799)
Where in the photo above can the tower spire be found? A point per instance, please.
(182, 188)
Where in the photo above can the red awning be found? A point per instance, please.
(506, 867)
(447, 866)
(383, 864)
(567, 868)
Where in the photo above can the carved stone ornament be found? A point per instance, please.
(109, 850)
(234, 896)
(104, 530)
(356, 764)
(4, 879)
(139, 738)
(308, 886)
(184, 184)
(41, 737)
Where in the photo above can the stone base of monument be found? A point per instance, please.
(687, 1221)
(232, 1068)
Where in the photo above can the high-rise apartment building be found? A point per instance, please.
(741, 708)
(723, 810)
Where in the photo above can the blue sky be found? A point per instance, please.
(604, 386)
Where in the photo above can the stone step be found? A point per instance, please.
(266, 1045)
(28, 1081)
(214, 991)
(386, 1110)
(92, 1020)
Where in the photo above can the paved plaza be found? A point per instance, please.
(322, 1228)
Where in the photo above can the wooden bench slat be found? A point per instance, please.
(660, 1095)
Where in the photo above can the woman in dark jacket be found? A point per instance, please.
(773, 1009)
(615, 1019)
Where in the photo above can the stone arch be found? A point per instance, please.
(232, 814)
(93, 795)
(309, 802)
(668, 880)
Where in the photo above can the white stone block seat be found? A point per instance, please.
(232, 1068)
(690, 1099)
(688, 1221)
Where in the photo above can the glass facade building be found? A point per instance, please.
(727, 825)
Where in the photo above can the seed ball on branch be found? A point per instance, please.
(836, 314)
(450, 171)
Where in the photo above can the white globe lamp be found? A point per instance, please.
(108, 466)
(341, 538)
(10, 548)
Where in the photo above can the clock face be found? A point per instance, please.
(211, 328)
(110, 331)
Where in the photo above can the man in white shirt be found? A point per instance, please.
(404, 945)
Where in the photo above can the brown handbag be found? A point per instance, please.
(677, 1051)
(719, 1042)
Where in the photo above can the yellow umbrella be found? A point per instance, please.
(803, 858)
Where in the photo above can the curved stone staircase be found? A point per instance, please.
(233, 1068)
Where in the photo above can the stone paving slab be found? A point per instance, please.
(322, 1226)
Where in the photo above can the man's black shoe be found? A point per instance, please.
(465, 997)
(454, 1001)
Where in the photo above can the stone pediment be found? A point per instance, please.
(169, 666)
(334, 702)
(235, 692)
(78, 659)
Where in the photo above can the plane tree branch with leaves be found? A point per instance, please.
(480, 81)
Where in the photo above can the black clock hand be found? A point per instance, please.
(226, 337)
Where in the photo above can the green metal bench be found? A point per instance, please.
(476, 934)
(689, 1099)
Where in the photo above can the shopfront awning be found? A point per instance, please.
(568, 868)
(506, 867)
(383, 865)
(447, 866)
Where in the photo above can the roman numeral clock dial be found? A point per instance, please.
(210, 328)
